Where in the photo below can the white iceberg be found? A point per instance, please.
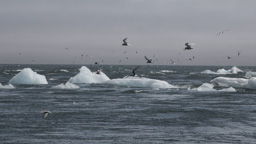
(231, 82)
(86, 76)
(68, 85)
(251, 83)
(140, 82)
(250, 74)
(28, 76)
(236, 82)
(10, 86)
(233, 70)
(207, 87)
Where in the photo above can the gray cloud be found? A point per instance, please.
(41, 30)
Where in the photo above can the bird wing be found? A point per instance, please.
(133, 71)
(45, 114)
(146, 58)
(187, 44)
(124, 40)
(218, 33)
(135, 68)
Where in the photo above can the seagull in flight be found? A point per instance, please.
(238, 53)
(125, 42)
(133, 71)
(222, 32)
(188, 46)
(45, 112)
(228, 57)
(148, 60)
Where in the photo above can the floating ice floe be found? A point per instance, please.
(236, 82)
(233, 70)
(86, 76)
(140, 82)
(250, 74)
(68, 85)
(9, 86)
(231, 82)
(251, 83)
(28, 76)
(207, 87)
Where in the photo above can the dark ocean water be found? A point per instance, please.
(104, 113)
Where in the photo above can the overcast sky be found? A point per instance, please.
(61, 31)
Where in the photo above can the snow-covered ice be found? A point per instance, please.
(28, 76)
(86, 76)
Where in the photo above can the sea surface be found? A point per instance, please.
(107, 113)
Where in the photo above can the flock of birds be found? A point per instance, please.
(148, 61)
(152, 60)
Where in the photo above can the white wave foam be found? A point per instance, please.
(86, 76)
(207, 87)
(140, 82)
(166, 71)
(63, 70)
(250, 74)
(28, 76)
(10, 86)
(68, 85)
(231, 82)
(233, 70)
(52, 79)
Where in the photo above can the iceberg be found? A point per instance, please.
(10, 86)
(231, 82)
(207, 87)
(68, 85)
(236, 82)
(251, 83)
(28, 76)
(250, 74)
(86, 76)
(233, 70)
(140, 82)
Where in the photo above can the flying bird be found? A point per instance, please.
(148, 60)
(228, 57)
(125, 42)
(238, 53)
(172, 61)
(222, 32)
(133, 71)
(45, 112)
(188, 46)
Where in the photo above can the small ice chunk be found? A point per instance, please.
(68, 85)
